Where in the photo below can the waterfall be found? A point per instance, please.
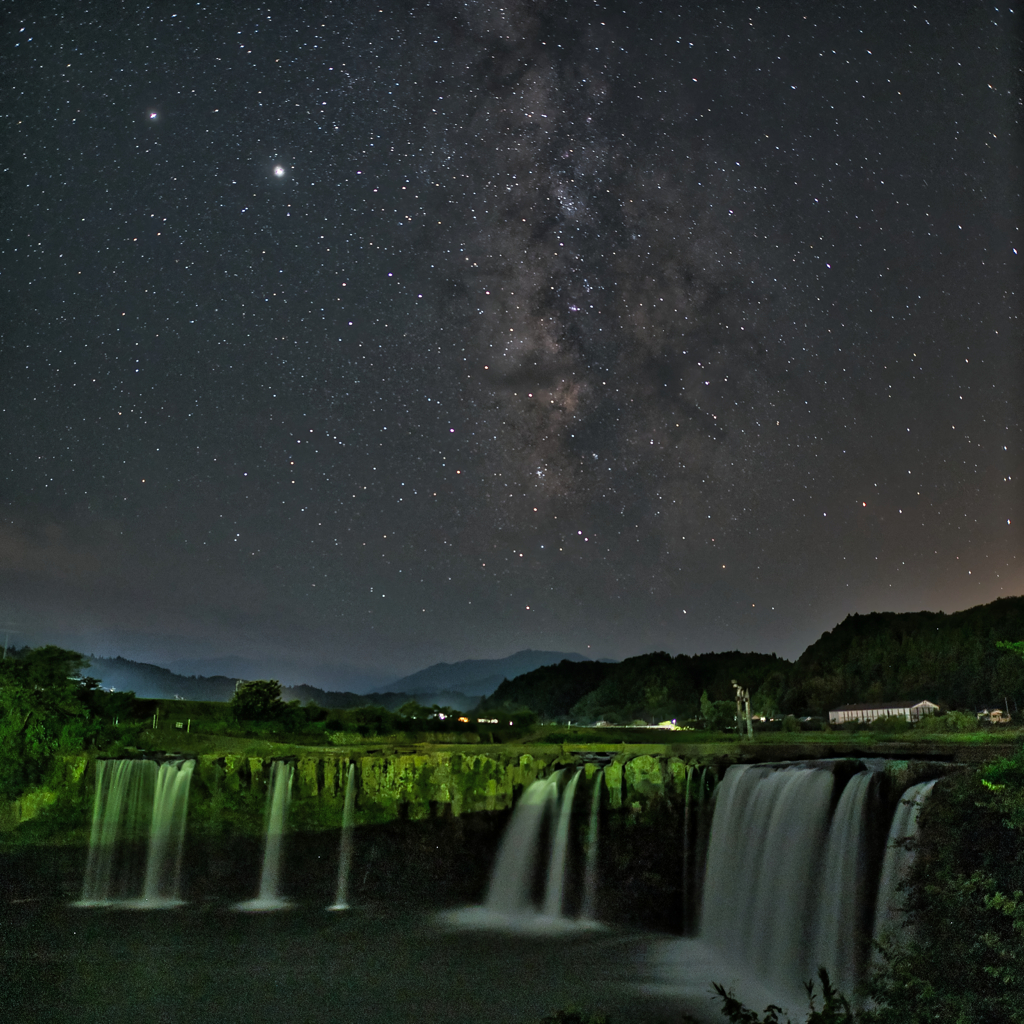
(767, 832)
(278, 798)
(789, 884)
(890, 917)
(556, 860)
(786, 888)
(138, 834)
(509, 904)
(686, 848)
(121, 816)
(705, 791)
(589, 910)
(511, 884)
(345, 847)
(167, 836)
(837, 944)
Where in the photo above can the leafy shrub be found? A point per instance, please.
(48, 707)
(835, 1010)
(965, 959)
(890, 724)
(952, 721)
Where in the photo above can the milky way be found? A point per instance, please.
(379, 335)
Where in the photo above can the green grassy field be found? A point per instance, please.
(546, 741)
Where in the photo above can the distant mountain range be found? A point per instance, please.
(480, 677)
(459, 685)
(325, 676)
(154, 681)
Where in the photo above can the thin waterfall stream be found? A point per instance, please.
(589, 909)
(278, 799)
(167, 836)
(836, 945)
(345, 846)
(511, 884)
(555, 884)
(890, 917)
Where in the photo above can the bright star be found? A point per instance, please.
(279, 171)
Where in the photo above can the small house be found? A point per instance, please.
(996, 716)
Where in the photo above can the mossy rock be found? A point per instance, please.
(613, 780)
(644, 777)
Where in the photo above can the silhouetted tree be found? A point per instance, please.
(258, 700)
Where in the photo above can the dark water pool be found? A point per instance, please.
(210, 964)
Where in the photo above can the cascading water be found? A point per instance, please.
(509, 903)
(278, 798)
(555, 885)
(759, 894)
(511, 885)
(122, 813)
(790, 883)
(686, 856)
(167, 836)
(706, 785)
(696, 820)
(836, 945)
(890, 918)
(589, 909)
(345, 847)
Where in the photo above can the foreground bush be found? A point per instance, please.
(835, 1010)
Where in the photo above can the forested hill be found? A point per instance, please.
(950, 659)
(651, 686)
(480, 677)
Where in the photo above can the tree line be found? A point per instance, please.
(958, 661)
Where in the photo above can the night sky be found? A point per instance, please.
(376, 334)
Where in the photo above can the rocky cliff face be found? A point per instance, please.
(428, 826)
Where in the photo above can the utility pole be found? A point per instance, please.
(743, 710)
(739, 707)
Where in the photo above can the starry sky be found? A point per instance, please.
(358, 336)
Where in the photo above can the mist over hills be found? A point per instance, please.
(293, 673)
(459, 685)
(153, 681)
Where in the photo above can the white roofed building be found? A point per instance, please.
(911, 710)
